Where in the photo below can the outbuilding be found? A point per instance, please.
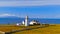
(34, 22)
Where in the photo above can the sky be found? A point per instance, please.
(32, 8)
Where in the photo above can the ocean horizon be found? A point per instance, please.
(19, 20)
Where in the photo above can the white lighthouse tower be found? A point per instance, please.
(26, 21)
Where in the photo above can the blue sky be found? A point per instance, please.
(35, 9)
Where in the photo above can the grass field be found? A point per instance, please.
(52, 29)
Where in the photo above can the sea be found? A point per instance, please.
(19, 20)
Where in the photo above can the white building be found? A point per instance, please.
(18, 24)
(26, 21)
(33, 22)
(23, 22)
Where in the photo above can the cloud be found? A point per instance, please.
(29, 3)
(5, 15)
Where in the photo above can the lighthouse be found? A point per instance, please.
(26, 21)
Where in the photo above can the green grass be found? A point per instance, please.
(52, 29)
